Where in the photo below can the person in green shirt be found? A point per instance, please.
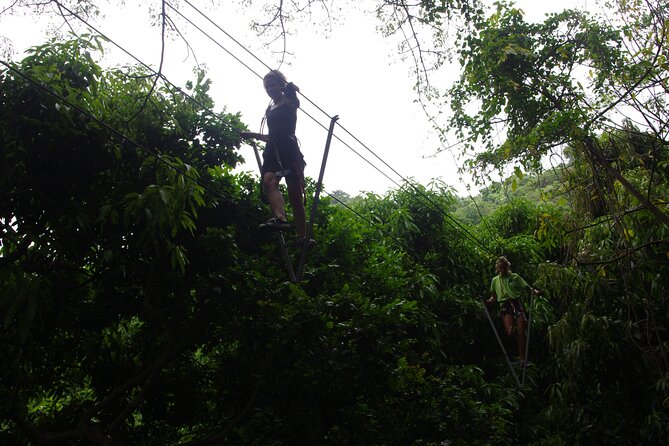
(506, 287)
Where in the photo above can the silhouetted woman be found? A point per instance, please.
(282, 157)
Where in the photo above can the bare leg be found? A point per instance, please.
(508, 324)
(274, 196)
(295, 198)
(507, 320)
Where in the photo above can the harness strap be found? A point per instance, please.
(283, 173)
(275, 149)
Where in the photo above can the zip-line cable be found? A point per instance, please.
(221, 46)
(434, 123)
(446, 146)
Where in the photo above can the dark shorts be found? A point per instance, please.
(513, 307)
(283, 156)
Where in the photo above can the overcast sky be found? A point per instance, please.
(350, 71)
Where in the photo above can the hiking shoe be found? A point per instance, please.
(300, 241)
(274, 224)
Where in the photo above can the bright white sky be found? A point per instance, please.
(351, 72)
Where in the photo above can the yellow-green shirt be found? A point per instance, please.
(507, 287)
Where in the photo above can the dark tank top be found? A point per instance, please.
(281, 122)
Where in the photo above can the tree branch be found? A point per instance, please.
(625, 253)
(158, 75)
(217, 439)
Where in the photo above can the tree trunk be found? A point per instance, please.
(597, 155)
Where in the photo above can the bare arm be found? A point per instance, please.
(253, 135)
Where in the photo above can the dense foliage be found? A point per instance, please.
(141, 306)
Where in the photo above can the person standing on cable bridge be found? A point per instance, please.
(506, 287)
(282, 156)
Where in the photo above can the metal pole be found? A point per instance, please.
(499, 340)
(314, 205)
(255, 150)
(527, 341)
(286, 257)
